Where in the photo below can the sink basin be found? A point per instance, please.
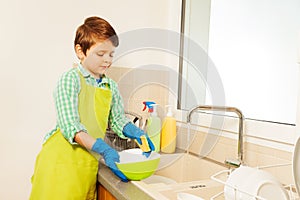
(184, 174)
(186, 168)
(187, 196)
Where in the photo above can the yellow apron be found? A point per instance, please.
(69, 172)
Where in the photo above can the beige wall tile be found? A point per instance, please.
(250, 158)
(283, 154)
(254, 155)
(138, 85)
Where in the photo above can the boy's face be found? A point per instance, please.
(98, 58)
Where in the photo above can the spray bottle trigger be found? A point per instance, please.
(144, 106)
(149, 105)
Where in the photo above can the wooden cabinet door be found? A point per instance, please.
(104, 194)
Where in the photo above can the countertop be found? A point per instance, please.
(119, 189)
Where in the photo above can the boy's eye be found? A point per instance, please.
(102, 54)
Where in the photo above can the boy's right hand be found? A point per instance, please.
(110, 156)
(144, 142)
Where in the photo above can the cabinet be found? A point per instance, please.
(104, 194)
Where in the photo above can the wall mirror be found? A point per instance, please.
(253, 45)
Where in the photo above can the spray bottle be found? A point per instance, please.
(168, 132)
(153, 124)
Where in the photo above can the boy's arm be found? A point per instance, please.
(85, 140)
(66, 102)
(117, 116)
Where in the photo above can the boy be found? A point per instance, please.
(85, 99)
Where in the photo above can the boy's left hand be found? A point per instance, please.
(110, 156)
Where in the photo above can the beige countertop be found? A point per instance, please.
(119, 189)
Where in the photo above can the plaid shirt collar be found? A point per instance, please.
(86, 74)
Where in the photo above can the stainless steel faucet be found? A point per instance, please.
(240, 130)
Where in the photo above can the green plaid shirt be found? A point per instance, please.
(66, 103)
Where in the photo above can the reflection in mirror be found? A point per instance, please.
(253, 45)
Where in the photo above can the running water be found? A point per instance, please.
(188, 137)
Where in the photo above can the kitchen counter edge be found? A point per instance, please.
(119, 189)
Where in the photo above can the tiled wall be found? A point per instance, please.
(224, 148)
(137, 85)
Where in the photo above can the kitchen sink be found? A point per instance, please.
(182, 172)
(184, 167)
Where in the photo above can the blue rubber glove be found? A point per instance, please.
(110, 156)
(133, 132)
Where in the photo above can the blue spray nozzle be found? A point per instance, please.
(148, 104)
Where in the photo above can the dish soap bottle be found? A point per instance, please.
(168, 132)
(153, 124)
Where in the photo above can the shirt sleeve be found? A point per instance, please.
(117, 116)
(66, 102)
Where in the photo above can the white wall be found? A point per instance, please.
(36, 40)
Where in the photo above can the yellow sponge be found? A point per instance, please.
(144, 146)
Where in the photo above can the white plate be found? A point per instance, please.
(296, 165)
(136, 155)
(265, 187)
(274, 191)
(237, 178)
(253, 181)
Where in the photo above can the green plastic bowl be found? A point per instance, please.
(136, 166)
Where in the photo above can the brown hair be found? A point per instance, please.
(93, 30)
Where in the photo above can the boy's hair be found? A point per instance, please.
(93, 30)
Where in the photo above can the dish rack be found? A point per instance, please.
(225, 173)
(120, 144)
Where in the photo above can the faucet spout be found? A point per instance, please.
(225, 109)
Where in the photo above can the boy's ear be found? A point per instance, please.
(79, 52)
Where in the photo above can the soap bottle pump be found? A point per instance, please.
(168, 132)
(153, 124)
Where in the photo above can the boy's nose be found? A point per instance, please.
(107, 59)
